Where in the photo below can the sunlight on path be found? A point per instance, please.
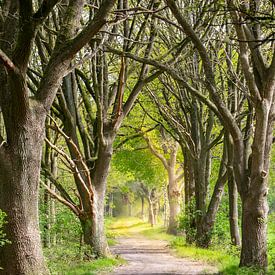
(146, 256)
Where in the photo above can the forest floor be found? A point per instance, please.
(146, 256)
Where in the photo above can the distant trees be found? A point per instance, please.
(168, 159)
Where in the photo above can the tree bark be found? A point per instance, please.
(52, 201)
(200, 193)
(233, 210)
(19, 185)
(99, 179)
(174, 203)
(151, 215)
(47, 199)
(92, 225)
(254, 229)
(254, 187)
(189, 192)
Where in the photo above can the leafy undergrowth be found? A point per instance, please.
(70, 259)
(226, 261)
(271, 242)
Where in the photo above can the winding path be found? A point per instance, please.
(146, 256)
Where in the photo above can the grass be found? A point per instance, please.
(69, 259)
(227, 262)
(94, 267)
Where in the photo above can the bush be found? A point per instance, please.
(3, 239)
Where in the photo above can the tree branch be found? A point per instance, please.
(74, 208)
(63, 55)
(7, 62)
(156, 153)
(44, 10)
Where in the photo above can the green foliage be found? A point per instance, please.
(92, 268)
(141, 164)
(71, 258)
(66, 225)
(271, 241)
(3, 239)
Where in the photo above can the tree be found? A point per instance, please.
(192, 126)
(91, 151)
(24, 118)
(250, 169)
(175, 177)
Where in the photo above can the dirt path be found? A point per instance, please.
(146, 256)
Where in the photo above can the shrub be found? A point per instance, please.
(3, 239)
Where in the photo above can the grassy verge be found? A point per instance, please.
(70, 259)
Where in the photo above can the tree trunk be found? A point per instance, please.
(174, 211)
(254, 229)
(99, 179)
(111, 204)
(204, 229)
(130, 209)
(92, 220)
(142, 208)
(233, 211)
(93, 228)
(189, 192)
(52, 201)
(151, 216)
(200, 193)
(233, 197)
(165, 222)
(47, 199)
(254, 189)
(174, 203)
(19, 190)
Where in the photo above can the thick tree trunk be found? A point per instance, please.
(174, 203)
(254, 190)
(92, 220)
(99, 179)
(93, 228)
(254, 229)
(19, 189)
(174, 211)
(204, 230)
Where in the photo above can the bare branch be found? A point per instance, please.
(74, 208)
(7, 62)
(156, 153)
(44, 9)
